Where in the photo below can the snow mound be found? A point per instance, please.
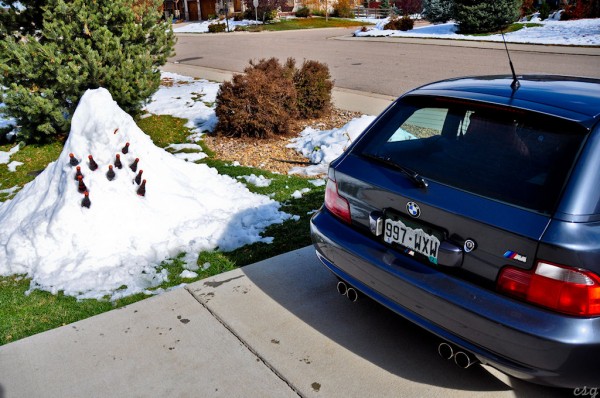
(322, 147)
(113, 247)
(581, 32)
(259, 181)
(5, 156)
(202, 27)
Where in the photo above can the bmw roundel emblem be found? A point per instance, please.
(413, 209)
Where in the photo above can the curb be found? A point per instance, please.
(491, 45)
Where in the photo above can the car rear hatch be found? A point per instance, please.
(462, 186)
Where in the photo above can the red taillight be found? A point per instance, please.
(335, 203)
(569, 290)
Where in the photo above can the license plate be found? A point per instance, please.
(412, 237)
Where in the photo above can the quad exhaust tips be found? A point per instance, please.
(464, 360)
(347, 291)
(461, 358)
(446, 351)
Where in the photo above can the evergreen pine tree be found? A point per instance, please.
(385, 7)
(438, 10)
(482, 16)
(78, 45)
(21, 17)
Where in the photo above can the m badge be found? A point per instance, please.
(515, 256)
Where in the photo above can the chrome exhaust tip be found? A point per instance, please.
(445, 350)
(464, 360)
(352, 294)
(342, 288)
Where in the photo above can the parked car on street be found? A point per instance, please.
(471, 207)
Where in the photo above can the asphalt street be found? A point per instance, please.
(388, 66)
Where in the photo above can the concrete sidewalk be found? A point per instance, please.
(276, 328)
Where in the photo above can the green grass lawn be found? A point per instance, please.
(511, 28)
(24, 313)
(307, 23)
(34, 159)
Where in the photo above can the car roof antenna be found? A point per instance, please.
(515, 83)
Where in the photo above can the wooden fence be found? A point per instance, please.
(363, 12)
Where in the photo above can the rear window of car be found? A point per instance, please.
(515, 156)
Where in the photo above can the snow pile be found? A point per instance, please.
(555, 16)
(5, 159)
(113, 247)
(187, 274)
(5, 156)
(297, 194)
(259, 181)
(318, 183)
(9, 191)
(186, 98)
(322, 147)
(12, 166)
(194, 156)
(583, 32)
(202, 27)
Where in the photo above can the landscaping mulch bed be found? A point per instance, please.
(272, 154)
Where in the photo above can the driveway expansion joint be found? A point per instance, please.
(245, 343)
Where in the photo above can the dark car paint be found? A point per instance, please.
(520, 339)
(581, 200)
(464, 215)
(579, 97)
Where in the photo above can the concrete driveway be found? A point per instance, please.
(276, 328)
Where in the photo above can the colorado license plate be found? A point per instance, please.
(411, 237)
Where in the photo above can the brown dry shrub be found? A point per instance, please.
(405, 23)
(527, 7)
(581, 9)
(313, 85)
(269, 96)
(258, 104)
(274, 69)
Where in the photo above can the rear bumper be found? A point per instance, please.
(521, 340)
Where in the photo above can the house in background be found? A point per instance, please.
(197, 10)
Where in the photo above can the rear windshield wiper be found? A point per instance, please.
(411, 174)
